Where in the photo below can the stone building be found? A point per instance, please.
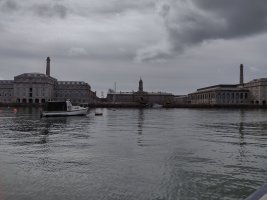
(29, 88)
(220, 95)
(6, 91)
(251, 93)
(257, 91)
(77, 91)
(140, 97)
(33, 88)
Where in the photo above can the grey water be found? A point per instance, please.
(143, 154)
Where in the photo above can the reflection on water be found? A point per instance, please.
(140, 121)
(133, 154)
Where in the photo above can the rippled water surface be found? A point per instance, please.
(158, 154)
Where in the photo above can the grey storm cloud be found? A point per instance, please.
(50, 10)
(112, 6)
(8, 5)
(47, 9)
(192, 22)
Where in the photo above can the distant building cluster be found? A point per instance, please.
(251, 93)
(37, 88)
(29, 88)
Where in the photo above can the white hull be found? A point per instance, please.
(82, 111)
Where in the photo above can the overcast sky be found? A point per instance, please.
(174, 45)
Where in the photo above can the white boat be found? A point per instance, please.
(65, 108)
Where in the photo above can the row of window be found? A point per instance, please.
(230, 101)
(29, 89)
(24, 100)
(6, 95)
(232, 95)
(74, 94)
(223, 95)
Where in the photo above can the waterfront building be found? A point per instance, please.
(257, 91)
(219, 95)
(140, 96)
(33, 88)
(76, 91)
(37, 88)
(251, 93)
(6, 91)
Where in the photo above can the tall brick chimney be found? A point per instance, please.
(241, 82)
(48, 66)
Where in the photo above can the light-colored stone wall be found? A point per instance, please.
(220, 97)
(258, 91)
(33, 88)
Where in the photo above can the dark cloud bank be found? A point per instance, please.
(191, 22)
(186, 22)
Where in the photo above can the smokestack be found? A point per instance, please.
(140, 88)
(241, 82)
(48, 66)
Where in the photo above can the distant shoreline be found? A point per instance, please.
(138, 105)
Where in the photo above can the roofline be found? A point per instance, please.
(219, 85)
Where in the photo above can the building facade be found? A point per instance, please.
(250, 93)
(37, 88)
(257, 91)
(220, 95)
(76, 91)
(6, 91)
(140, 97)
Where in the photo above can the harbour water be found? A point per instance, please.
(133, 154)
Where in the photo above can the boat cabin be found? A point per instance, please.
(58, 106)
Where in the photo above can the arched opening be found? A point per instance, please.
(36, 100)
